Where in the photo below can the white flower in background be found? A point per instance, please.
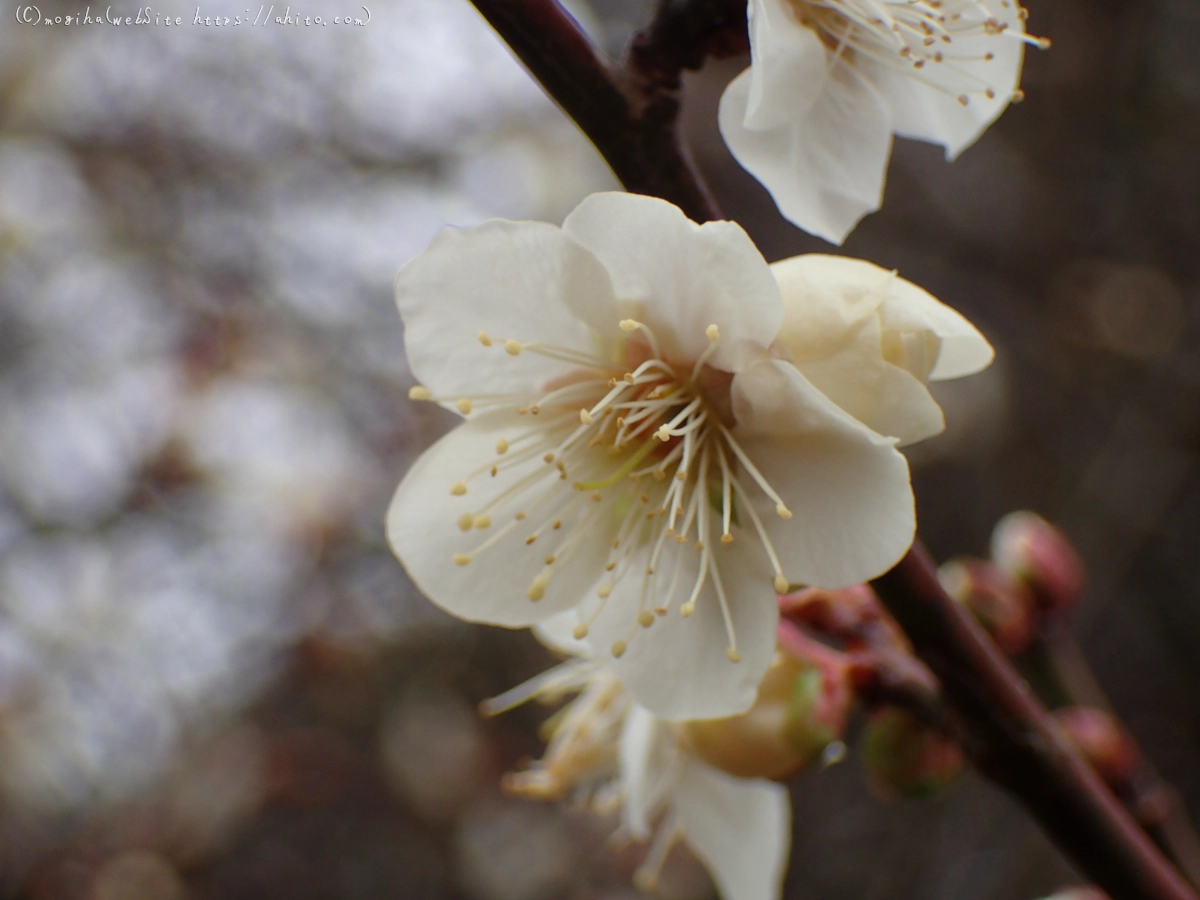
(606, 750)
(831, 80)
(633, 448)
(871, 341)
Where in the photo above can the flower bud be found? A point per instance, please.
(1040, 556)
(1002, 605)
(906, 758)
(802, 708)
(1102, 741)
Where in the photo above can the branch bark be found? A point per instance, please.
(1012, 740)
(631, 114)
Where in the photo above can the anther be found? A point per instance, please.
(713, 333)
(466, 522)
(604, 591)
(502, 446)
(482, 522)
(585, 417)
(782, 511)
(727, 538)
(579, 632)
(1017, 96)
(629, 325)
(549, 560)
(495, 470)
(732, 655)
(618, 649)
(529, 540)
(418, 392)
(485, 339)
(964, 99)
(537, 590)
(461, 559)
(513, 347)
(549, 457)
(781, 584)
(458, 489)
(687, 609)
(519, 516)
(645, 618)
(463, 405)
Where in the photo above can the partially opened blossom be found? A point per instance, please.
(613, 754)
(830, 81)
(634, 448)
(871, 341)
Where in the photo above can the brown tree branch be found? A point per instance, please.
(1012, 740)
(631, 115)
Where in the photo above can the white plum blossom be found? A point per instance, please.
(830, 81)
(870, 341)
(611, 753)
(636, 448)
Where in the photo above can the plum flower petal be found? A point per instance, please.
(869, 340)
(605, 748)
(831, 80)
(616, 463)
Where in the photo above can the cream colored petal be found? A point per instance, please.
(826, 300)
(678, 667)
(522, 280)
(909, 309)
(423, 530)
(739, 828)
(644, 759)
(826, 168)
(847, 487)
(679, 277)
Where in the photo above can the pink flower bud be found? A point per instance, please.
(906, 758)
(802, 707)
(1103, 741)
(1001, 604)
(1038, 554)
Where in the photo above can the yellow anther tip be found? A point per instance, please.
(579, 632)
(463, 404)
(461, 559)
(513, 347)
(781, 584)
(466, 522)
(687, 609)
(605, 590)
(727, 538)
(485, 339)
(628, 325)
(732, 655)
(645, 618)
(418, 392)
(585, 417)
(713, 333)
(458, 489)
(618, 649)
(536, 592)
(783, 512)
(482, 522)
(502, 446)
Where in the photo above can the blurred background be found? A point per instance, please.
(215, 680)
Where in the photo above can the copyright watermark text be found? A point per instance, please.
(29, 14)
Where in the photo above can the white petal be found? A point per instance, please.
(739, 827)
(846, 486)
(522, 280)
(929, 108)
(677, 667)
(679, 277)
(826, 168)
(644, 762)
(964, 351)
(558, 633)
(787, 66)
(423, 530)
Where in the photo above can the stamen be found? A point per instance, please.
(485, 339)
(418, 392)
(631, 325)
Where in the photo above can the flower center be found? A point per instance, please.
(644, 445)
(915, 37)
